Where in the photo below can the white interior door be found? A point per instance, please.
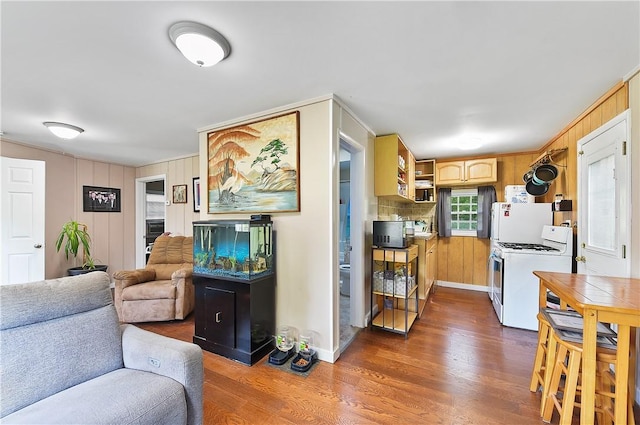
(604, 193)
(22, 201)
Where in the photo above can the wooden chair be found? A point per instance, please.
(545, 342)
(566, 360)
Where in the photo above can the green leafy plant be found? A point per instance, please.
(74, 235)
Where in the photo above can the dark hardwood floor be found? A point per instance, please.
(458, 366)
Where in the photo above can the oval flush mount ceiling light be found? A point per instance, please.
(468, 144)
(198, 43)
(62, 130)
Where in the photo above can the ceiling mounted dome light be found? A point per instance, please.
(198, 43)
(62, 130)
(469, 144)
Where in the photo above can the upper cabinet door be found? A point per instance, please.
(481, 170)
(448, 173)
(468, 172)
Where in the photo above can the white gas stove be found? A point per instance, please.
(513, 286)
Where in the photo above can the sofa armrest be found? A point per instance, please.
(126, 278)
(182, 274)
(178, 360)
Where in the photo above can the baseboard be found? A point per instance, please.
(465, 286)
(328, 356)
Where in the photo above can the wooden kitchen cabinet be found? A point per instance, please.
(431, 265)
(468, 172)
(425, 177)
(394, 169)
(426, 270)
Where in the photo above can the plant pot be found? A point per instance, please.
(75, 271)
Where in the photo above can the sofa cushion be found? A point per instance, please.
(124, 396)
(150, 291)
(27, 303)
(54, 335)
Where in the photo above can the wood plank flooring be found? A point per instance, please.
(458, 366)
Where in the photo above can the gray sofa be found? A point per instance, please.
(65, 359)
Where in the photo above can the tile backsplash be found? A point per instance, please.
(388, 207)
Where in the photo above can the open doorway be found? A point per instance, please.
(350, 232)
(347, 332)
(150, 217)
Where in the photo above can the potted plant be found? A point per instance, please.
(74, 235)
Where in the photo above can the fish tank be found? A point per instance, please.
(236, 249)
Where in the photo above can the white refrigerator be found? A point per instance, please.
(518, 222)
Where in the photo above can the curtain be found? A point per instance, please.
(444, 212)
(486, 197)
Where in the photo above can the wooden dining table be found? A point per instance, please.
(603, 299)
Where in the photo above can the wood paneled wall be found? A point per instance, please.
(611, 104)
(464, 259)
(178, 171)
(111, 233)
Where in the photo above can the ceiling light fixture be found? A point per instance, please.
(62, 130)
(469, 144)
(198, 43)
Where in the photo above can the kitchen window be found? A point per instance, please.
(464, 212)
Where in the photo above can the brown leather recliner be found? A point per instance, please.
(163, 290)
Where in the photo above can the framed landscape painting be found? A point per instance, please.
(254, 167)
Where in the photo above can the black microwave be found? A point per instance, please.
(390, 234)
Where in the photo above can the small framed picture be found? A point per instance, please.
(196, 194)
(180, 194)
(100, 199)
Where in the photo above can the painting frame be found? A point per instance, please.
(196, 194)
(254, 167)
(101, 199)
(179, 192)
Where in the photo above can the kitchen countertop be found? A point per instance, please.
(425, 235)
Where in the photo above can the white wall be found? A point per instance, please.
(307, 241)
(363, 211)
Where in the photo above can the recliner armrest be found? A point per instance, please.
(182, 273)
(133, 277)
(178, 360)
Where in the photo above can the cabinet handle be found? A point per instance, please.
(218, 317)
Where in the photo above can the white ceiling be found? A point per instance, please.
(511, 73)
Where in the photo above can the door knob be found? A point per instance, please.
(581, 259)
(38, 246)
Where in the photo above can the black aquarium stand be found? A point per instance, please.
(235, 318)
